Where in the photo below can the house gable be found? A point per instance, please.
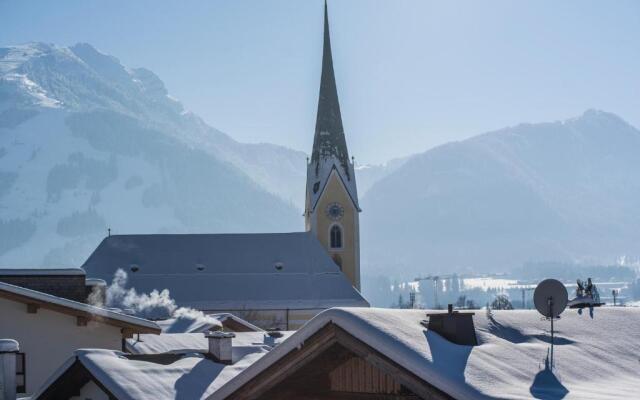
(318, 370)
(72, 382)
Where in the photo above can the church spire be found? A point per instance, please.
(329, 141)
(331, 206)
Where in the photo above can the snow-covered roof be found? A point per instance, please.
(202, 323)
(190, 376)
(9, 346)
(41, 271)
(228, 271)
(60, 304)
(196, 342)
(594, 358)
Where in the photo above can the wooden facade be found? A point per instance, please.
(332, 364)
(358, 376)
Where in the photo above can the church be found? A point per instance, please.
(274, 280)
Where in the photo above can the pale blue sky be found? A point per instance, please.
(411, 73)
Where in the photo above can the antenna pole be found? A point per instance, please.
(550, 301)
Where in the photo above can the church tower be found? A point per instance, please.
(331, 208)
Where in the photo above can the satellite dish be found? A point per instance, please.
(550, 298)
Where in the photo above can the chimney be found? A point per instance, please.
(8, 350)
(455, 326)
(220, 346)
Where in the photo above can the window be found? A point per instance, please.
(21, 377)
(335, 237)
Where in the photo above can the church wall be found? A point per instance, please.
(349, 254)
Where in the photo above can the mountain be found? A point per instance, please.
(565, 191)
(369, 174)
(88, 144)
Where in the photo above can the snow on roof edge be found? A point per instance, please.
(41, 271)
(224, 316)
(102, 312)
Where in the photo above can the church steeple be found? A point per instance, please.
(331, 210)
(329, 140)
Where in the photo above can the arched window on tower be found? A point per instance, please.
(335, 237)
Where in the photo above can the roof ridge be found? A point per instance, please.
(76, 305)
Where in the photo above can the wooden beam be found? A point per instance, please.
(81, 321)
(127, 333)
(288, 365)
(32, 308)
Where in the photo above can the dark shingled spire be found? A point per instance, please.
(329, 141)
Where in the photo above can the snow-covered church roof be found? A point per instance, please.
(594, 358)
(228, 271)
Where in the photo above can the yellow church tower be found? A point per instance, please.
(331, 209)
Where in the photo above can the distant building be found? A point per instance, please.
(277, 280)
(49, 328)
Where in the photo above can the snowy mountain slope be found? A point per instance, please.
(556, 191)
(87, 144)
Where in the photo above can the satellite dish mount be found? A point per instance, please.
(550, 299)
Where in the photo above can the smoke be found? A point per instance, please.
(96, 297)
(155, 305)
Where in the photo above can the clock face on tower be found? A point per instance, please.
(335, 211)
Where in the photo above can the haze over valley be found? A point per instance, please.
(87, 144)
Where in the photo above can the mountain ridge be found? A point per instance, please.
(531, 192)
(87, 144)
